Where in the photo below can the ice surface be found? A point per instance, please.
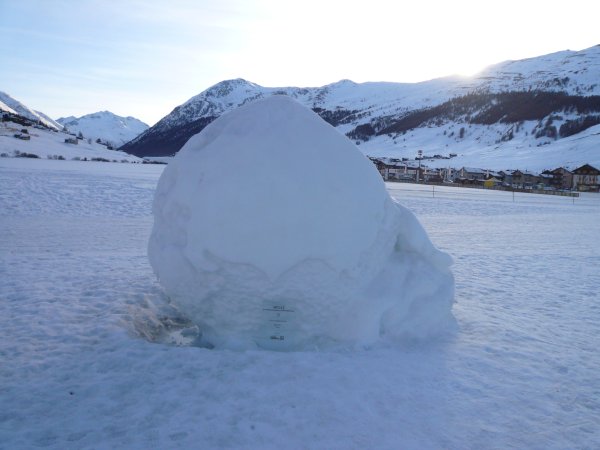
(271, 228)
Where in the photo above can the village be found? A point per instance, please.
(582, 179)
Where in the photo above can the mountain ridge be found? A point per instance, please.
(14, 106)
(370, 112)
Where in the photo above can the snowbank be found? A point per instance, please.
(272, 229)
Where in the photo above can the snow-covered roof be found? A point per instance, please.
(527, 172)
(394, 162)
(474, 170)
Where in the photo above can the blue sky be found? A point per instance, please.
(143, 58)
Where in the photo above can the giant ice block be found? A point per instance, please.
(271, 229)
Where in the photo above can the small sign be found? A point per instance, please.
(278, 326)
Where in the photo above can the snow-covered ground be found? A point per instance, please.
(79, 305)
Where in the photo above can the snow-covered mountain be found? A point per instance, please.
(106, 126)
(5, 108)
(508, 107)
(13, 106)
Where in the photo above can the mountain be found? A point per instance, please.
(5, 108)
(515, 111)
(10, 105)
(106, 126)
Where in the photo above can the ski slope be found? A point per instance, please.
(85, 359)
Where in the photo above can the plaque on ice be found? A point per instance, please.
(279, 327)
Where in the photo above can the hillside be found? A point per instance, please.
(20, 137)
(11, 105)
(509, 108)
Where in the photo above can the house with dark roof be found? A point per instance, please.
(395, 170)
(470, 175)
(525, 179)
(559, 178)
(586, 178)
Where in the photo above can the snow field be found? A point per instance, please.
(79, 304)
(527, 308)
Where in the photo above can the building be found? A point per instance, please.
(525, 179)
(491, 182)
(470, 175)
(395, 170)
(507, 177)
(586, 178)
(559, 179)
(432, 175)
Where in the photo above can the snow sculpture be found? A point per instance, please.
(271, 229)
